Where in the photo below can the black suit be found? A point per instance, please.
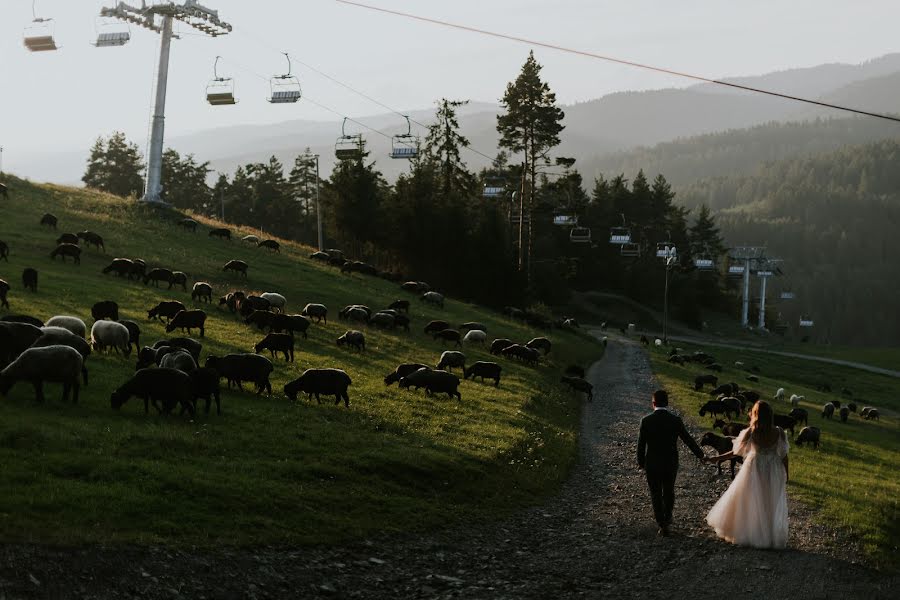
(658, 455)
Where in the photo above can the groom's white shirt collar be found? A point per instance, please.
(665, 408)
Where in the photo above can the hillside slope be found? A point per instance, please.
(267, 470)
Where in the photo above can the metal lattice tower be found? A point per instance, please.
(749, 255)
(159, 17)
(765, 268)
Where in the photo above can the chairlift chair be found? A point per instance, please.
(111, 33)
(285, 89)
(788, 295)
(806, 321)
(580, 235)
(704, 263)
(736, 270)
(494, 187)
(665, 250)
(348, 147)
(220, 91)
(405, 145)
(38, 37)
(620, 235)
(630, 249)
(565, 220)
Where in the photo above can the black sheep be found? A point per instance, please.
(261, 318)
(319, 312)
(402, 371)
(205, 385)
(92, 239)
(729, 429)
(483, 369)
(701, 380)
(713, 407)
(435, 326)
(540, 343)
(165, 388)
(720, 444)
(809, 435)
(4, 289)
(158, 274)
(30, 279)
(250, 303)
(179, 278)
(448, 335)
(223, 233)
(785, 422)
(22, 319)
(138, 269)
(400, 305)
(519, 352)
(289, 323)
(270, 244)
(15, 338)
(852, 406)
(828, 411)
(202, 292)
(844, 412)
(187, 320)
(68, 238)
(316, 382)
(4, 251)
(275, 343)
(134, 333)
(193, 347)
(498, 345)
(800, 415)
(434, 381)
(354, 339)
(238, 266)
(49, 220)
(579, 385)
(237, 368)
(105, 309)
(65, 250)
(167, 309)
(188, 224)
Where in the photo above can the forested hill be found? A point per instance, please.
(741, 151)
(834, 220)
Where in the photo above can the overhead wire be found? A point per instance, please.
(612, 59)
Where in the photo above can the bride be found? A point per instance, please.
(753, 511)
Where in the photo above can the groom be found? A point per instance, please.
(658, 455)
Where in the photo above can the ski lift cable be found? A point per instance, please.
(620, 61)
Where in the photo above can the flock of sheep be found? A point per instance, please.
(169, 374)
(730, 401)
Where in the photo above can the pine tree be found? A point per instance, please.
(302, 180)
(443, 144)
(115, 166)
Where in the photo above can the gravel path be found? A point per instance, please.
(596, 539)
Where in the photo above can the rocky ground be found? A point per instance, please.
(596, 539)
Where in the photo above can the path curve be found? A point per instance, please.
(595, 539)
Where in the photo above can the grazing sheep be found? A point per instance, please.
(261, 318)
(484, 369)
(452, 358)
(65, 250)
(68, 238)
(167, 309)
(448, 335)
(523, 353)
(400, 305)
(205, 385)
(721, 444)
(122, 267)
(498, 345)
(178, 359)
(644, 340)
(105, 309)
(809, 435)
(158, 274)
(134, 333)
(844, 412)
(796, 400)
(475, 336)
(238, 266)
(317, 311)
(751, 396)
(149, 357)
(675, 359)
(49, 220)
(435, 326)
(753, 378)
(828, 411)
(275, 343)
(434, 382)
(237, 368)
(4, 289)
(383, 320)
(320, 256)
(55, 364)
(232, 300)
(837, 403)
(138, 269)
(269, 244)
(250, 239)
(353, 338)
(73, 324)
(30, 279)
(729, 429)
(411, 286)
(223, 233)
(579, 385)
(4, 251)
(713, 407)
(15, 338)
(188, 224)
(433, 298)
(165, 388)
(402, 371)
(873, 415)
(865, 411)
(355, 312)
(290, 324)
(22, 319)
(277, 302)
(800, 415)
(92, 239)
(179, 278)
(251, 303)
(202, 291)
(57, 336)
(779, 394)
(574, 371)
(701, 380)
(189, 344)
(110, 334)
(328, 382)
(725, 388)
(187, 320)
(732, 406)
(540, 343)
(785, 422)
(473, 326)
(852, 406)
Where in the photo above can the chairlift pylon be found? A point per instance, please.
(38, 37)
(348, 147)
(220, 91)
(620, 235)
(405, 145)
(285, 89)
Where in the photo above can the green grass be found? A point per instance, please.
(852, 478)
(885, 358)
(268, 471)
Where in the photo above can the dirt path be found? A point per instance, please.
(595, 539)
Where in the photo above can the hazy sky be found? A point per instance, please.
(63, 100)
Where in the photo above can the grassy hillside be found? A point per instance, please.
(267, 470)
(852, 477)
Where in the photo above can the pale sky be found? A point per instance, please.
(63, 100)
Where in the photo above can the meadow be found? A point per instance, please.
(851, 479)
(268, 470)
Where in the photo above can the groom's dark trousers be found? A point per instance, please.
(658, 456)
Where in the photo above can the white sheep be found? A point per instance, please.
(779, 394)
(179, 359)
(73, 324)
(250, 238)
(738, 363)
(277, 302)
(109, 334)
(475, 336)
(657, 342)
(795, 400)
(57, 364)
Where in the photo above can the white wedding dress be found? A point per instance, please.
(753, 510)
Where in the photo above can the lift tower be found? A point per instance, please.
(747, 255)
(159, 17)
